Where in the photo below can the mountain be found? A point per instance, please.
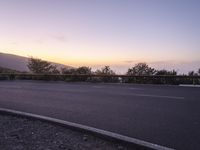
(6, 70)
(19, 63)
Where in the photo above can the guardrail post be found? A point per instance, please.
(11, 77)
(164, 79)
(193, 81)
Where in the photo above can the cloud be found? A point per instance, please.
(130, 61)
(39, 41)
(180, 66)
(49, 37)
(14, 43)
(60, 38)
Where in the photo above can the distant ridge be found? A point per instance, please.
(19, 63)
(6, 70)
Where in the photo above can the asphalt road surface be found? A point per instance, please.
(164, 115)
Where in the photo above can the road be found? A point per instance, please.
(164, 115)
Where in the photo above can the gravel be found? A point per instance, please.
(18, 133)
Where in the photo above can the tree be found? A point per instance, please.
(166, 72)
(80, 70)
(192, 73)
(40, 66)
(105, 71)
(83, 70)
(141, 69)
(75, 72)
(68, 70)
(166, 79)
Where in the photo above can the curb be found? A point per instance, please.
(139, 144)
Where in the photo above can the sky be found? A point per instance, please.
(118, 33)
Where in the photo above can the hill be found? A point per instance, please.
(19, 63)
(6, 70)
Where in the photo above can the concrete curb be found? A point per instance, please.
(139, 144)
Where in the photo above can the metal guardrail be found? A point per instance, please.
(153, 79)
(100, 75)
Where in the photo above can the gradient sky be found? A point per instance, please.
(119, 33)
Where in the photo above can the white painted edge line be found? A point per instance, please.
(158, 96)
(102, 133)
(189, 85)
(98, 87)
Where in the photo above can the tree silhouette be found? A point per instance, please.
(192, 73)
(84, 70)
(166, 72)
(79, 70)
(68, 70)
(40, 66)
(141, 69)
(105, 71)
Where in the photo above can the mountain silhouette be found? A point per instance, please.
(19, 63)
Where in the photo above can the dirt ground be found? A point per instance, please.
(17, 133)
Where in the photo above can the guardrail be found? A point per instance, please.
(154, 79)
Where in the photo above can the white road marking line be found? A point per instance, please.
(135, 89)
(159, 96)
(189, 85)
(98, 87)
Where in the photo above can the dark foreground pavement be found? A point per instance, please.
(18, 133)
(164, 115)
